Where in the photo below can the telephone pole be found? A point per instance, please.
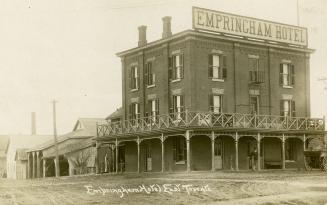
(57, 167)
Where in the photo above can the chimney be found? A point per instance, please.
(142, 36)
(33, 128)
(166, 32)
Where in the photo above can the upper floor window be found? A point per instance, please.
(216, 103)
(254, 104)
(256, 76)
(177, 106)
(217, 66)
(176, 67)
(134, 113)
(153, 109)
(286, 74)
(149, 75)
(134, 78)
(287, 108)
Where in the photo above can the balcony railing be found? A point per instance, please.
(257, 77)
(194, 120)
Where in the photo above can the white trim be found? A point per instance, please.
(150, 59)
(287, 97)
(286, 61)
(215, 51)
(217, 91)
(253, 56)
(135, 100)
(134, 90)
(176, 80)
(287, 86)
(176, 52)
(134, 64)
(151, 86)
(217, 80)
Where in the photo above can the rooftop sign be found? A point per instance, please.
(216, 21)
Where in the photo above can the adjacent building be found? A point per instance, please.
(232, 93)
(4, 143)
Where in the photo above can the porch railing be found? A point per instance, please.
(210, 120)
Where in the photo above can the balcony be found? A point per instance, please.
(211, 121)
(257, 77)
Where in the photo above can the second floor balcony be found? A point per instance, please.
(208, 120)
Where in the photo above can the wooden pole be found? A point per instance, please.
(57, 166)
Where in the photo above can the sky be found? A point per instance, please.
(65, 50)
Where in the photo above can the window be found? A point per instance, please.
(134, 78)
(153, 109)
(179, 149)
(176, 69)
(286, 74)
(217, 66)
(134, 113)
(149, 75)
(287, 108)
(254, 104)
(290, 149)
(215, 103)
(256, 76)
(177, 106)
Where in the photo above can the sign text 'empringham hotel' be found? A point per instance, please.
(231, 91)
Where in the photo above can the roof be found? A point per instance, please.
(196, 33)
(4, 143)
(116, 114)
(84, 128)
(21, 154)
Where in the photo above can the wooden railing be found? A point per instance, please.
(209, 120)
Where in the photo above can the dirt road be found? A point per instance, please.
(278, 187)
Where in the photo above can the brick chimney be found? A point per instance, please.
(33, 124)
(142, 36)
(166, 31)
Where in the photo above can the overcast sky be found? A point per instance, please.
(65, 49)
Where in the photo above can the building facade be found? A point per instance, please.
(199, 100)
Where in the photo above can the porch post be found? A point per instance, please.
(138, 154)
(34, 166)
(236, 151)
(188, 162)
(28, 166)
(304, 139)
(212, 151)
(97, 161)
(116, 146)
(38, 165)
(283, 151)
(44, 167)
(162, 153)
(258, 151)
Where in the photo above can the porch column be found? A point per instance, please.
(44, 167)
(116, 145)
(38, 165)
(304, 139)
(70, 167)
(236, 151)
(56, 163)
(258, 151)
(283, 151)
(138, 154)
(188, 162)
(34, 165)
(28, 166)
(97, 161)
(212, 151)
(162, 153)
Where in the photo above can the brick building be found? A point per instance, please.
(204, 99)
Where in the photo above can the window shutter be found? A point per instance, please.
(170, 62)
(292, 75)
(293, 109)
(170, 68)
(146, 73)
(221, 103)
(130, 113)
(182, 103)
(281, 74)
(281, 107)
(138, 78)
(210, 69)
(130, 78)
(147, 109)
(172, 104)
(224, 63)
(210, 102)
(157, 106)
(181, 60)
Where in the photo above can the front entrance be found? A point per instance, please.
(218, 156)
(147, 158)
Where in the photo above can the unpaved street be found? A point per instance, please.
(273, 187)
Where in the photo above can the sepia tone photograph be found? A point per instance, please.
(163, 102)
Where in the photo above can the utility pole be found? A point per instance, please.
(297, 12)
(57, 167)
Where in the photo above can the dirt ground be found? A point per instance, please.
(266, 188)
